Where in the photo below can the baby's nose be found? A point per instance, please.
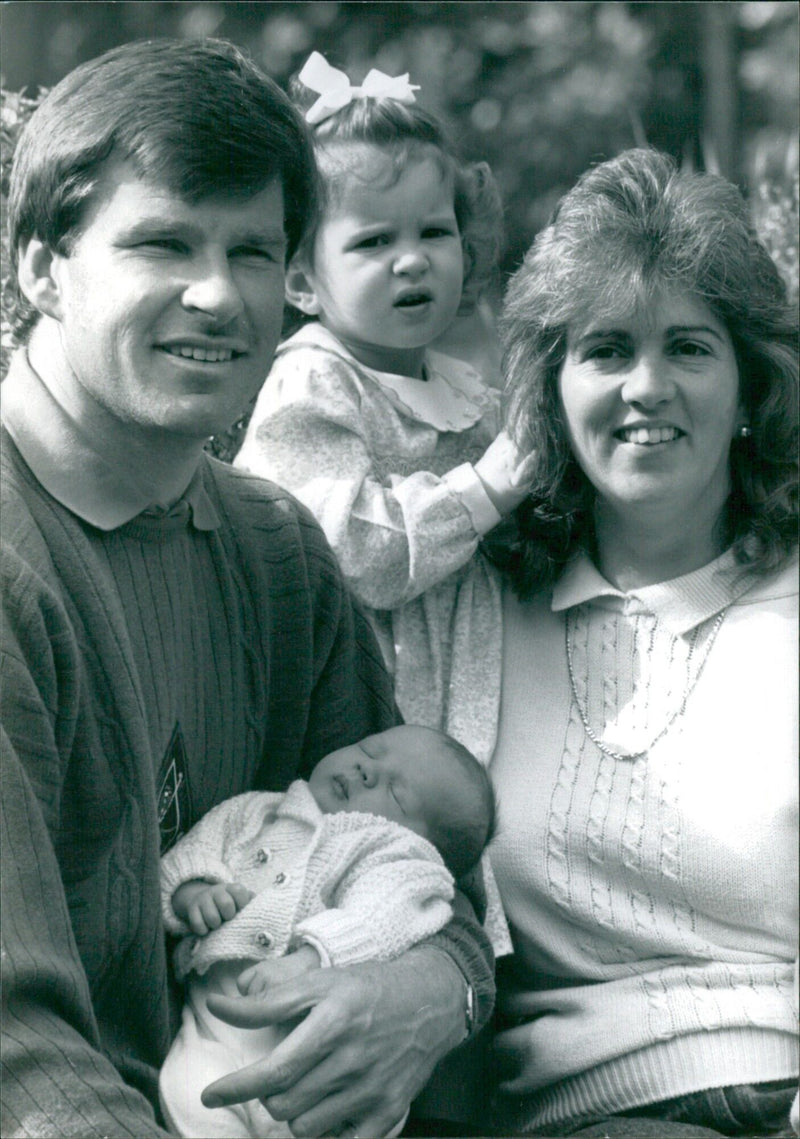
(366, 774)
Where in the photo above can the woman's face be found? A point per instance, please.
(651, 404)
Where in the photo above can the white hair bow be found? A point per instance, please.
(335, 92)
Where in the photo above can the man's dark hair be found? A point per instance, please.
(197, 117)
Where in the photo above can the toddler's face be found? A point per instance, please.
(388, 265)
(403, 774)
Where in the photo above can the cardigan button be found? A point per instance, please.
(264, 939)
(263, 854)
(280, 878)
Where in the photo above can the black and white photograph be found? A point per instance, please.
(399, 544)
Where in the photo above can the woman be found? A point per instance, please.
(646, 758)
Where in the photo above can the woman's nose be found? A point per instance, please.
(648, 382)
(213, 290)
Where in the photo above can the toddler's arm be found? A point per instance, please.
(204, 906)
(315, 432)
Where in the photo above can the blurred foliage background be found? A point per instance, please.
(538, 89)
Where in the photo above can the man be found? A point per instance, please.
(175, 632)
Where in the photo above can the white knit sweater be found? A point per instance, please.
(652, 901)
(355, 886)
(384, 463)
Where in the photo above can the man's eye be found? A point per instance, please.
(166, 244)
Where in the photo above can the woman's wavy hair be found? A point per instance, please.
(630, 227)
(408, 132)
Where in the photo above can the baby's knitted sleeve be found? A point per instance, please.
(315, 432)
(396, 894)
(203, 853)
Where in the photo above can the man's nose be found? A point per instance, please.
(213, 290)
(648, 382)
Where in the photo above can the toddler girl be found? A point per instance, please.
(392, 445)
(357, 864)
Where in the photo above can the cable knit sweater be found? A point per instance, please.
(384, 463)
(652, 900)
(149, 672)
(355, 886)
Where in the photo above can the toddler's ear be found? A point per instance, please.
(299, 288)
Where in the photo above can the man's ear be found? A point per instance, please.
(299, 288)
(39, 278)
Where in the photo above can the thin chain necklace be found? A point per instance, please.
(689, 689)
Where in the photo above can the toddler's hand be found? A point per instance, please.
(505, 472)
(260, 977)
(205, 906)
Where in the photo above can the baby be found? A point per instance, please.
(355, 864)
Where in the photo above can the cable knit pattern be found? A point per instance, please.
(355, 886)
(652, 900)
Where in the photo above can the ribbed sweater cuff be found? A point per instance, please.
(662, 1071)
(467, 485)
(470, 949)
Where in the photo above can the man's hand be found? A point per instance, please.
(274, 971)
(370, 1040)
(204, 906)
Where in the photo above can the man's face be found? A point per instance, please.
(169, 313)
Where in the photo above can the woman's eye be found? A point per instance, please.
(690, 348)
(609, 351)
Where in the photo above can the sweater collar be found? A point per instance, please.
(682, 603)
(452, 398)
(71, 464)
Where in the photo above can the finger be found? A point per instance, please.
(226, 905)
(286, 1001)
(240, 894)
(337, 1115)
(195, 920)
(208, 908)
(306, 1047)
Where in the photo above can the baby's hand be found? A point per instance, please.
(505, 472)
(258, 978)
(205, 906)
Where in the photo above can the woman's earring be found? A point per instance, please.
(745, 431)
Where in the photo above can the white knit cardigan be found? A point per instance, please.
(355, 886)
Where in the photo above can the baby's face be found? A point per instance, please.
(403, 774)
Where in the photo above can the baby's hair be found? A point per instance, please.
(407, 132)
(461, 839)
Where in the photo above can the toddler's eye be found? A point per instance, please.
(373, 242)
(434, 231)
